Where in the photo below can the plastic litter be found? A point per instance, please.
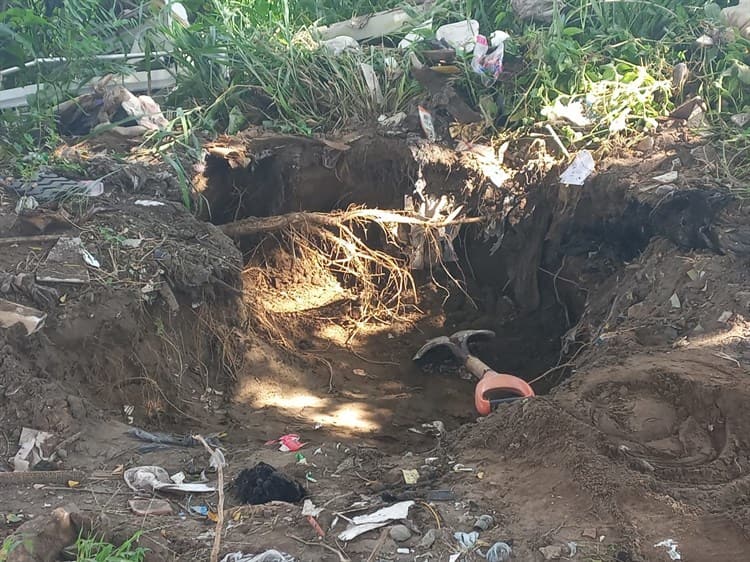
(425, 118)
(267, 556)
(170, 438)
(581, 168)
(363, 523)
(340, 44)
(572, 112)
(489, 64)
(310, 509)
(410, 476)
(459, 35)
(738, 16)
(149, 203)
(155, 478)
(263, 483)
(671, 546)
(499, 552)
(467, 541)
(12, 313)
(403, 550)
(440, 496)
(288, 443)
(33, 448)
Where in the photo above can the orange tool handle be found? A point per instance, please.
(496, 382)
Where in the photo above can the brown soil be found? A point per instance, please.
(639, 434)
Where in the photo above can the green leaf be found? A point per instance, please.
(572, 31)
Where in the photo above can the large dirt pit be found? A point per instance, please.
(622, 302)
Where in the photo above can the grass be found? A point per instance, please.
(245, 62)
(92, 549)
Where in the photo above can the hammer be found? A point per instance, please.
(493, 387)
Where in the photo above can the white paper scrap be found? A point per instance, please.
(579, 170)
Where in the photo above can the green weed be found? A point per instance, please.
(92, 549)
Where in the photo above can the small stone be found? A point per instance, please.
(429, 539)
(484, 522)
(589, 533)
(646, 145)
(725, 316)
(400, 533)
(554, 551)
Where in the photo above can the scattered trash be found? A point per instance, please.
(489, 66)
(263, 483)
(725, 316)
(155, 478)
(403, 550)
(12, 313)
(410, 476)
(428, 539)
(288, 443)
(310, 509)
(340, 44)
(169, 438)
(150, 507)
(425, 118)
(359, 372)
(380, 518)
(582, 167)
(33, 449)
(740, 119)
(738, 16)
(26, 203)
(369, 26)
(484, 522)
(392, 122)
(499, 552)
(201, 510)
(310, 478)
(89, 259)
(557, 551)
(669, 177)
(674, 300)
(267, 556)
(466, 541)
(459, 35)
(671, 547)
(64, 263)
(572, 112)
(300, 458)
(440, 496)
(400, 533)
(695, 275)
(458, 467)
(47, 186)
(149, 203)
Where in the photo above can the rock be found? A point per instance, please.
(646, 145)
(553, 551)
(484, 522)
(400, 533)
(429, 539)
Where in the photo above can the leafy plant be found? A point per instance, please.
(92, 549)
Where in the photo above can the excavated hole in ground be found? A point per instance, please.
(531, 292)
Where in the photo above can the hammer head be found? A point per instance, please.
(457, 343)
